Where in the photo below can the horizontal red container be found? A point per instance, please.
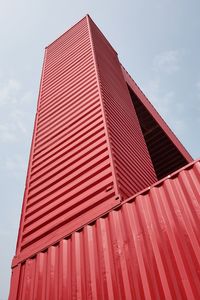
(146, 248)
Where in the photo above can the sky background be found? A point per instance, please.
(157, 41)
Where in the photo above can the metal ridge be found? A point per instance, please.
(17, 261)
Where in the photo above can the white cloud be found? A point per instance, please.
(9, 91)
(167, 61)
(14, 166)
(26, 98)
(166, 104)
(12, 129)
(165, 100)
(162, 100)
(6, 134)
(17, 117)
(14, 103)
(15, 163)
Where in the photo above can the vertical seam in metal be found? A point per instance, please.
(19, 239)
(103, 110)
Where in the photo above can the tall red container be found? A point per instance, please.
(96, 143)
(88, 150)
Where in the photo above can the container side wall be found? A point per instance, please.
(70, 179)
(149, 248)
(133, 166)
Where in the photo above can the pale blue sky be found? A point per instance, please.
(157, 41)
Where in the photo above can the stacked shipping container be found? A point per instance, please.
(91, 151)
(79, 166)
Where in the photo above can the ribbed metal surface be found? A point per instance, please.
(148, 248)
(132, 163)
(70, 172)
(88, 149)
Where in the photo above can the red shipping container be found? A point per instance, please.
(146, 248)
(88, 151)
(97, 142)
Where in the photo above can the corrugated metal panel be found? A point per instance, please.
(148, 248)
(132, 163)
(70, 173)
(74, 175)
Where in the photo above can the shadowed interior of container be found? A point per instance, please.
(166, 158)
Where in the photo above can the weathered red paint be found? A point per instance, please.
(146, 248)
